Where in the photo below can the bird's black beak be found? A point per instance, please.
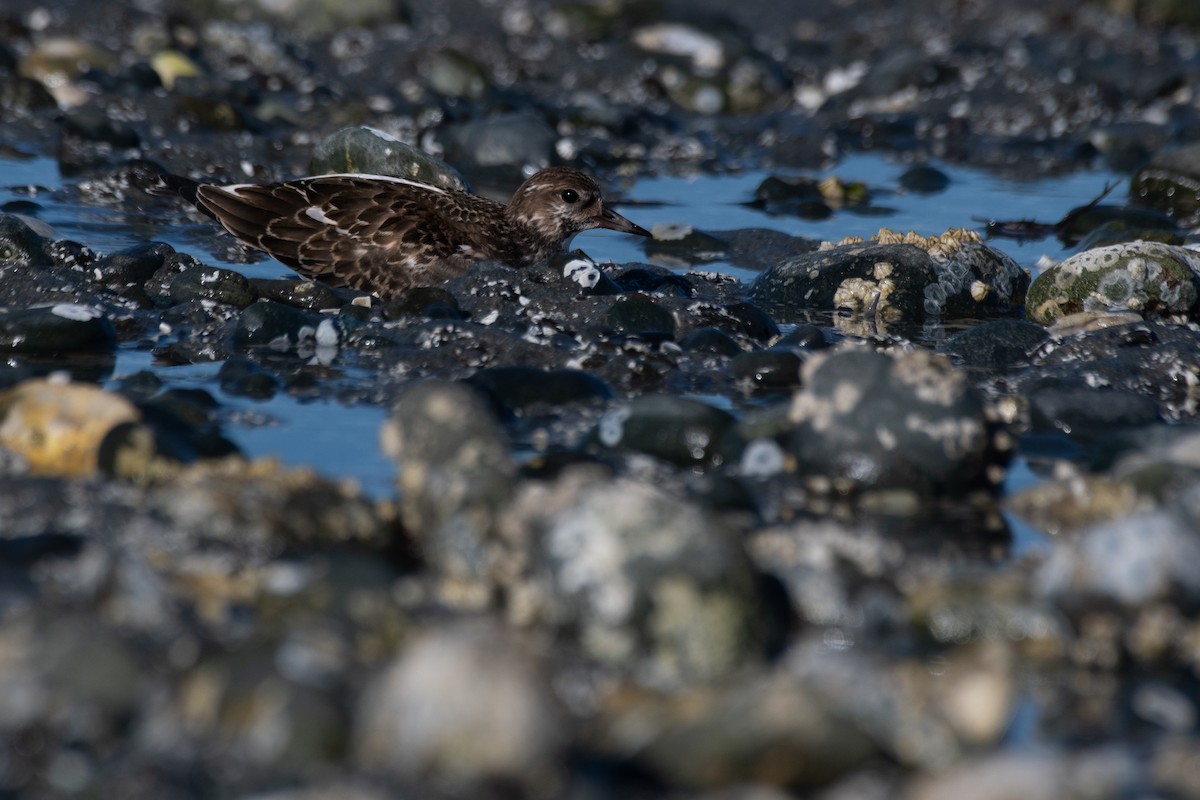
(615, 222)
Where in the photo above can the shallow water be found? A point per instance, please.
(342, 441)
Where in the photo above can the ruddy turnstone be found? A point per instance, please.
(385, 235)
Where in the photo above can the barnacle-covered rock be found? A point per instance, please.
(1150, 278)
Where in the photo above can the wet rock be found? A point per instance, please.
(1170, 183)
(58, 427)
(655, 280)
(896, 278)
(363, 149)
(777, 369)
(415, 720)
(682, 245)
(648, 583)
(996, 344)
(640, 316)
(1085, 411)
(797, 197)
(56, 329)
(677, 429)
(279, 326)
(868, 420)
(1153, 359)
(19, 244)
(127, 271)
(527, 389)
(211, 283)
(1153, 279)
(454, 473)
(924, 179)
(244, 378)
(890, 279)
(711, 341)
(1091, 225)
(424, 301)
(743, 319)
(308, 295)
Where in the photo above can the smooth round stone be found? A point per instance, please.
(19, 244)
(523, 389)
(58, 427)
(997, 344)
(432, 302)
(683, 244)
(308, 295)
(751, 320)
(925, 179)
(60, 328)
(638, 315)
(1088, 226)
(660, 281)
(127, 270)
(211, 283)
(454, 471)
(466, 703)
(806, 336)
(711, 341)
(798, 197)
(1155, 280)
(367, 150)
(274, 324)
(1171, 183)
(867, 420)
(767, 370)
(1085, 411)
(676, 429)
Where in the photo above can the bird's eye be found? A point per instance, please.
(570, 196)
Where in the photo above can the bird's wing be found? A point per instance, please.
(348, 230)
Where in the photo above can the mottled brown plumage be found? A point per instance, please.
(385, 235)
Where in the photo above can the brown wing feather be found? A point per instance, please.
(372, 234)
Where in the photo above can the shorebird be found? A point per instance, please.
(384, 235)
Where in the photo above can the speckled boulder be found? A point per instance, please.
(897, 420)
(896, 278)
(646, 581)
(1153, 279)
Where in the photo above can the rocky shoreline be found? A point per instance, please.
(656, 532)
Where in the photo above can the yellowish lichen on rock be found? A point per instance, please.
(57, 426)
